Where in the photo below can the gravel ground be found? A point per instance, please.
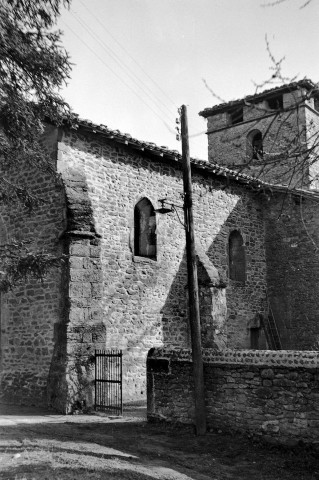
(36, 444)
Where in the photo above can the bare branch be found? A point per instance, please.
(212, 92)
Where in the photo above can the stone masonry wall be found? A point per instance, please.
(85, 331)
(30, 312)
(273, 395)
(143, 303)
(292, 241)
(81, 330)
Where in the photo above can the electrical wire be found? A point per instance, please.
(120, 78)
(129, 55)
(136, 80)
(130, 73)
(199, 134)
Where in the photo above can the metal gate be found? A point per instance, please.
(108, 381)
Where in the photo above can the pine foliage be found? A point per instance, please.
(33, 67)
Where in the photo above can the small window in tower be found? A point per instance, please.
(237, 258)
(144, 229)
(236, 115)
(257, 146)
(276, 103)
(255, 149)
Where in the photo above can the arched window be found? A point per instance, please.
(255, 149)
(144, 229)
(254, 338)
(236, 255)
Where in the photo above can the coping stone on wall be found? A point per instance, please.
(280, 358)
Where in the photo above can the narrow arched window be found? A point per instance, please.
(254, 338)
(255, 150)
(144, 229)
(237, 259)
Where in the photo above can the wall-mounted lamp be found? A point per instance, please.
(168, 207)
(164, 209)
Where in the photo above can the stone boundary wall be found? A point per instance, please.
(270, 394)
(309, 359)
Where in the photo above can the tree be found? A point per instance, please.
(33, 67)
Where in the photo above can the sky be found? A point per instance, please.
(135, 62)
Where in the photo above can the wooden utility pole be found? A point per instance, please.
(194, 318)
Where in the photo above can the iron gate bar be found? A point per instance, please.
(108, 380)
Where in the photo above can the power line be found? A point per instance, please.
(120, 78)
(131, 57)
(203, 132)
(126, 69)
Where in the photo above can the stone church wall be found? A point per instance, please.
(144, 301)
(30, 312)
(292, 241)
(104, 296)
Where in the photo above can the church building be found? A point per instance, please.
(123, 281)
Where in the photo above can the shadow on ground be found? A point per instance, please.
(129, 448)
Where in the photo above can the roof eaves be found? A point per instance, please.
(164, 152)
(223, 107)
(173, 155)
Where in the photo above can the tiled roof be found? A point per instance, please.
(161, 151)
(173, 155)
(305, 83)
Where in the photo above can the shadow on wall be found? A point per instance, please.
(246, 292)
(228, 308)
(80, 329)
(138, 311)
(212, 300)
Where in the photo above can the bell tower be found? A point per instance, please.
(272, 135)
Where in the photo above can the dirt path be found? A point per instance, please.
(38, 445)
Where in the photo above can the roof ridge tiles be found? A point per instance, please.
(214, 168)
(304, 83)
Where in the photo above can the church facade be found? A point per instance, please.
(123, 281)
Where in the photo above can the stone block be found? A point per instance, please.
(79, 250)
(267, 373)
